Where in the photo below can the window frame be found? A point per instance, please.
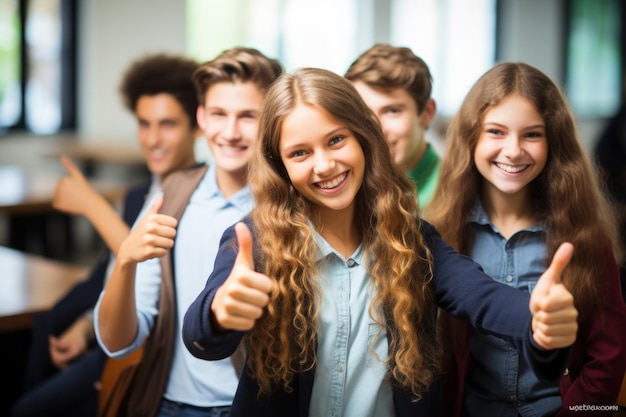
(68, 73)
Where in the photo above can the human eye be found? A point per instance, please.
(250, 115)
(297, 154)
(393, 111)
(336, 139)
(216, 113)
(494, 131)
(535, 135)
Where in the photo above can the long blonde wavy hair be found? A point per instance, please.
(283, 342)
(567, 194)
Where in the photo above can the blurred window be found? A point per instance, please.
(37, 70)
(10, 90)
(456, 38)
(594, 61)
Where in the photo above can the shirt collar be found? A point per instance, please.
(325, 250)
(424, 168)
(479, 216)
(241, 199)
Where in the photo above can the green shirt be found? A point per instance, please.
(425, 176)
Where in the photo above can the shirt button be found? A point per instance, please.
(509, 278)
(339, 367)
(351, 262)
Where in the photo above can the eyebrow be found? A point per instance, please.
(218, 108)
(537, 126)
(395, 104)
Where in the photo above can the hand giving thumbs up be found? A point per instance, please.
(554, 321)
(73, 193)
(240, 301)
(151, 237)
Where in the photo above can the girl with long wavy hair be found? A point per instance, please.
(334, 279)
(515, 182)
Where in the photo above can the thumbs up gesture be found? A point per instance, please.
(151, 237)
(245, 293)
(554, 317)
(73, 193)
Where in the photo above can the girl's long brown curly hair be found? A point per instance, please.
(284, 341)
(567, 194)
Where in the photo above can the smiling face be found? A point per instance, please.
(323, 159)
(512, 148)
(166, 135)
(230, 121)
(403, 127)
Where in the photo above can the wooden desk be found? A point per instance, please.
(31, 284)
(23, 192)
(34, 226)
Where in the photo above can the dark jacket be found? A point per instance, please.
(81, 298)
(598, 357)
(475, 298)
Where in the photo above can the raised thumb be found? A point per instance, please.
(70, 167)
(156, 206)
(244, 240)
(552, 275)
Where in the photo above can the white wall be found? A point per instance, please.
(112, 34)
(533, 33)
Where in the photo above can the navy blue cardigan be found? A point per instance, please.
(460, 287)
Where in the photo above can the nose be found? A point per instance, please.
(512, 148)
(231, 129)
(324, 164)
(152, 136)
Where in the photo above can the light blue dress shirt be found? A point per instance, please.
(349, 378)
(498, 383)
(192, 381)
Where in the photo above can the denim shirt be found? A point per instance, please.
(349, 378)
(499, 382)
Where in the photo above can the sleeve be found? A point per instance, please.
(147, 287)
(198, 335)
(601, 345)
(467, 293)
(80, 299)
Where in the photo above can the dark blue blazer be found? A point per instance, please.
(460, 287)
(77, 301)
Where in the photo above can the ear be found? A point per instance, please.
(428, 114)
(200, 117)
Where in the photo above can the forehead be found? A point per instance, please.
(513, 109)
(306, 123)
(234, 95)
(159, 106)
(377, 98)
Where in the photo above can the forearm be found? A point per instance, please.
(117, 312)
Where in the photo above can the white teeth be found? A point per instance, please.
(333, 183)
(511, 169)
(231, 148)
